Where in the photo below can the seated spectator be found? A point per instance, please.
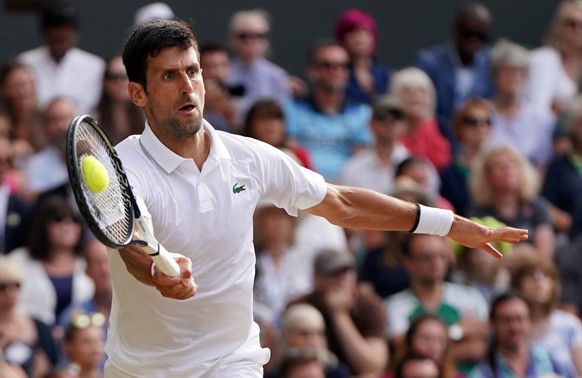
(570, 268)
(482, 271)
(354, 317)
(265, 121)
(562, 182)
(60, 68)
(426, 258)
(25, 342)
(416, 94)
(515, 120)
(303, 329)
(511, 353)
(557, 332)
(555, 71)
(280, 274)
(116, 113)
(471, 127)
(428, 336)
(84, 346)
(53, 262)
(459, 68)
(356, 31)
(220, 100)
(414, 366)
(330, 128)
(504, 185)
(249, 38)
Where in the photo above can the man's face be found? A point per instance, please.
(56, 119)
(329, 68)
(173, 99)
(249, 38)
(470, 36)
(511, 323)
(216, 65)
(60, 39)
(427, 261)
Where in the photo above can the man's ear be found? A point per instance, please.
(137, 94)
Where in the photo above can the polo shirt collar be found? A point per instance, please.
(169, 160)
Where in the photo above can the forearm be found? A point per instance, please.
(361, 208)
(137, 263)
(364, 355)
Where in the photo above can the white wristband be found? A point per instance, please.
(434, 221)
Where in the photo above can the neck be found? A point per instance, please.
(507, 202)
(515, 355)
(384, 150)
(330, 101)
(8, 316)
(507, 103)
(468, 153)
(429, 294)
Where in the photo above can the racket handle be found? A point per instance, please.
(164, 261)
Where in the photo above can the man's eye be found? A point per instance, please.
(168, 76)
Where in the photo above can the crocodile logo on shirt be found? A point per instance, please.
(237, 189)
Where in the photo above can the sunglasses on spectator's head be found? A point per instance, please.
(84, 320)
(250, 35)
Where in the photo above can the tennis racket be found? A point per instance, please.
(111, 213)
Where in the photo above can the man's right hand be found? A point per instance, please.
(180, 287)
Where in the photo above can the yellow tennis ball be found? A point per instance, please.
(95, 174)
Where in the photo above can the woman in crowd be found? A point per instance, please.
(504, 185)
(25, 342)
(471, 128)
(356, 31)
(416, 94)
(116, 113)
(53, 263)
(516, 120)
(557, 332)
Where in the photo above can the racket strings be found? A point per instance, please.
(111, 207)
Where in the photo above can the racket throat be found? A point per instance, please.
(152, 250)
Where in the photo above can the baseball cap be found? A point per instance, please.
(331, 261)
(154, 11)
(387, 107)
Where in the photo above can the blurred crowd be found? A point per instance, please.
(489, 129)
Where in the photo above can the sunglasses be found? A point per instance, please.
(388, 116)
(332, 65)
(116, 76)
(244, 36)
(85, 320)
(475, 121)
(5, 286)
(474, 34)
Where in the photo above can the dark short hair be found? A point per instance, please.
(501, 299)
(318, 45)
(59, 13)
(264, 108)
(149, 39)
(213, 47)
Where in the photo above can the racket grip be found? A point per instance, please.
(163, 259)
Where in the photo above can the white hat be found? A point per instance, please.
(153, 11)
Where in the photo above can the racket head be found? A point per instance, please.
(109, 213)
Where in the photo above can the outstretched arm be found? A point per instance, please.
(365, 209)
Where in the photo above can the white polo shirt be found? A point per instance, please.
(207, 216)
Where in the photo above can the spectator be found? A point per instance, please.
(515, 120)
(570, 268)
(487, 274)
(459, 68)
(18, 93)
(330, 128)
(303, 329)
(153, 11)
(354, 317)
(428, 336)
(374, 167)
(302, 364)
(556, 67)
(356, 31)
(504, 185)
(60, 68)
(557, 332)
(414, 366)
(265, 121)
(281, 274)
(47, 168)
(118, 116)
(52, 262)
(426, 258)
(249, 38)
(562, 183)
(220, 106)
(510, 352)
(15, 214)
(471, 127)
(83, 344)
(25, 341)
(416, 94)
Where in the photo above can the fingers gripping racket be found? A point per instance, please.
(103, 193)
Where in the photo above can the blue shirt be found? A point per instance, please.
(329, 138)
(539, 363)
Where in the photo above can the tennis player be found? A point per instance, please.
(200, 188)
